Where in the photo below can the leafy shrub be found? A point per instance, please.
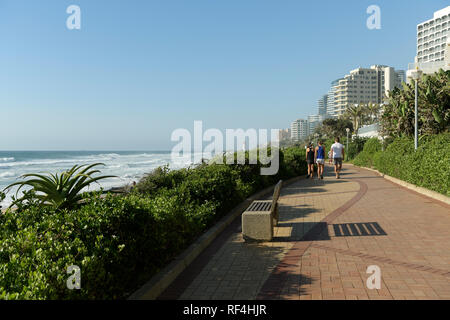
(372, 145)
(365, 157)
(428, 167)
(294, 162)
(117, 242)
(376, 158)
(161, 177)
(355, 146)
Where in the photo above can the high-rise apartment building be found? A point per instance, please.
(322, 104)
(330, 103)
(433, 43)
(365, 85)
(432, 36)
(299, 129)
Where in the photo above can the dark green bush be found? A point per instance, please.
(161, 177)
(119, 242)
(365, 157)
(355, 146)
(372, 145)
(294, 162)
(428, 167)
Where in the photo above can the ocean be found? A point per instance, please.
(128, 166)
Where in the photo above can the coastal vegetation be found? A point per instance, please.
(58, 190)
(331, 128)
(397, 119)
(121, 241)
(428, 166)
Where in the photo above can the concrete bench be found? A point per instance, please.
(260, 218)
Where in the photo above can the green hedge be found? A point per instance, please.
(355, 146)
(115, 241)
(428, 167)
(120, 242)
(365, 157)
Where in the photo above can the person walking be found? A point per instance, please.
(320, 159)
(337, 153)
(310, 160)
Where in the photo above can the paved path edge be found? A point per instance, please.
(423, 191)
(161, 281)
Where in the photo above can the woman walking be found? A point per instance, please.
(320, 159)
(310, 160)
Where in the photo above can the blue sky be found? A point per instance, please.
(139, 69)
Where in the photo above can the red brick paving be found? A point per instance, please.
(417, 240)
(414, 255)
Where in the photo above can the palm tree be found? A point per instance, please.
(355, 114)
(61, 191)
(373, 111)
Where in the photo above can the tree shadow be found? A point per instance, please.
(285, 284)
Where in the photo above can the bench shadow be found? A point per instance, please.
(359, 229)
(304, 231)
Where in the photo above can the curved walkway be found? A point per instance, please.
(329, 232)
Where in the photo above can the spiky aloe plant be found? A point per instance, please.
(61, 191)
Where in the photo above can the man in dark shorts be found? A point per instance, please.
(337, 153)
(310, 160)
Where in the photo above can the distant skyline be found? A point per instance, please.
(137, 70)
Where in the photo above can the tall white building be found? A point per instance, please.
(330, 103)
(432, 36)
(322, 104)
(433, 43)
(365, 85)
(299, 129)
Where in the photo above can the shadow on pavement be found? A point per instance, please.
(305, 231)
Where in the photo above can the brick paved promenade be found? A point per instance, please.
(329, 232)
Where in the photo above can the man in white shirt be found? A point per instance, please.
(337, 153)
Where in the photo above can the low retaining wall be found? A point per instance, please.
(155, 286)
